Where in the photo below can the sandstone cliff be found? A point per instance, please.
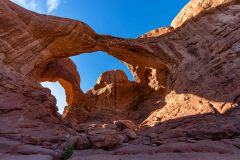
(185, 95)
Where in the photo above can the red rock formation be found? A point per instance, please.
(158, 32)
(203, 82)
(191, 72)
(112, 96)
(113, 91)
(28, 113)
(65, 72)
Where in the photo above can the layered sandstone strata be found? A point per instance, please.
(113, 94)
(188, 75)
(114, 91)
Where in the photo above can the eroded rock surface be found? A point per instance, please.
(112, 98)
(187, 76)
(114, 93)
(65, 72)
(30, 124)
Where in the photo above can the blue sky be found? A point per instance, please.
(123, 18)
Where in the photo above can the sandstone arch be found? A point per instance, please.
(65, 37)
(175, 49)
(65, 72)
(200, 54)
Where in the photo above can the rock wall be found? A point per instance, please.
(112, 94)
(205, 81)
(114, 91)
(187, 74)
(28, 112)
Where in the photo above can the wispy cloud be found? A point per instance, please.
(52, 5)
(40, 6)
(28, 4)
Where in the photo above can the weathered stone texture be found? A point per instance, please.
(185, 95)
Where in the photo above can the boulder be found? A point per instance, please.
(83, 142)
(72, 140)
(124, 124)
(130, 133)
(106, 141)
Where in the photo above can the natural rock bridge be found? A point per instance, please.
(186, 80)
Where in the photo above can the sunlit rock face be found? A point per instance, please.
(112, 98)
(205, 80)
(185, 93)
(114, 91)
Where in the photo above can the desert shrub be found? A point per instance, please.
(68, 152)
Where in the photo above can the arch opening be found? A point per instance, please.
(62, 76)
(92, 65)
(58, 92)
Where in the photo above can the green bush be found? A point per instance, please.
(68, 152)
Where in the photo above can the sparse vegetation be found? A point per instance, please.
(68, 152)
